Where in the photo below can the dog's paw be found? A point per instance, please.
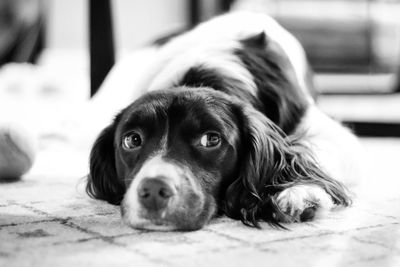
(301, 203)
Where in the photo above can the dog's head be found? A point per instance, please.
(174, 158)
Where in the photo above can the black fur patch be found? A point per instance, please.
(201, 76)
(278, 92)
(279, 96)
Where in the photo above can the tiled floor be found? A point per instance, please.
(47, 220)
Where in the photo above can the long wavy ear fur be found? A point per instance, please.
(103, 182)
(271, 163)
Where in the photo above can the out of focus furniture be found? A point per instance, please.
(101, 42)
(355, 43)
(21, 30)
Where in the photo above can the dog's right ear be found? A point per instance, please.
(103, 182)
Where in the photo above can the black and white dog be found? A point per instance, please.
(223, 121)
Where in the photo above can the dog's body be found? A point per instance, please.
(223, 120)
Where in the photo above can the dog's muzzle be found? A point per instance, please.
(163, 196)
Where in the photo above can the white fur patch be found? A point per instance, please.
(154, 167)
(294, 200)
(177, 177)
(157, 166)
(218, 56)
(335, 148)
(212, 43)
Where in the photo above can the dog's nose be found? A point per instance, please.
(154, 194)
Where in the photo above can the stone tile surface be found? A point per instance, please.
(47, 220)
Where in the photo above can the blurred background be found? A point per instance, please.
(352, 45)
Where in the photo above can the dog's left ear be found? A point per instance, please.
(103, 182)
(270, 163)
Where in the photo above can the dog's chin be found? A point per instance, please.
(177, 220)
(151, 225)
(163, 225)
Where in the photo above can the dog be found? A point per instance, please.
(221, 120)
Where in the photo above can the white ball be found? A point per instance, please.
(17, 151)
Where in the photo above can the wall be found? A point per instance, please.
(135, 22)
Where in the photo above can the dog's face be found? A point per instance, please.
(174, 158)
(173, 150)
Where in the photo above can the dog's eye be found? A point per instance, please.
(210, 139)
(131, 141)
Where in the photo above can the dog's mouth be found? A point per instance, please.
(187, 211)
